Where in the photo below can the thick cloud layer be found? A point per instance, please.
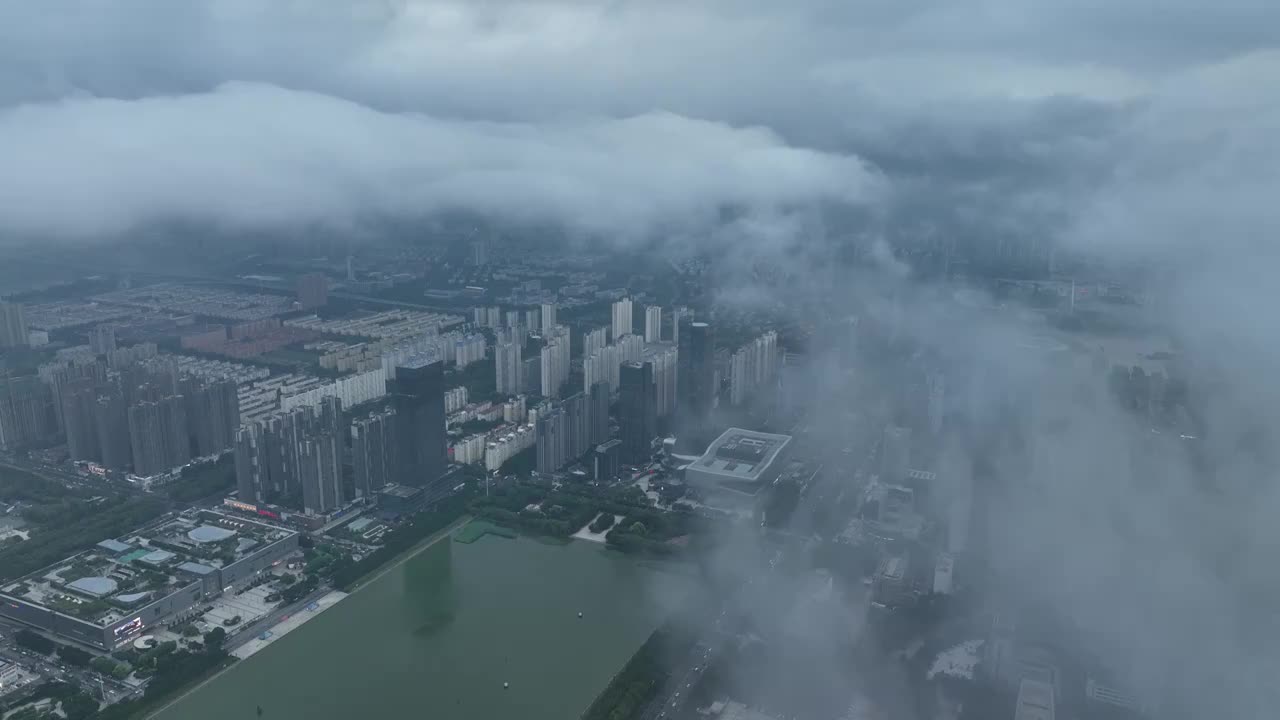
(260, 156)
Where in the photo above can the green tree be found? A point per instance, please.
(215, 638)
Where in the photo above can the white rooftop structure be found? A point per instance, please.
(741, 456)
(209, 534)
(95, 586)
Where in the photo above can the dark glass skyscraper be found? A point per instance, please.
(418, 399)
(637, 410)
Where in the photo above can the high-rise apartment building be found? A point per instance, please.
(548, 315)
(594, 340)
(665, 360)
(753, 366)
(637, 410)
(554, 368)
(373, 452)
(653, 324)
(213, 413)
(26, 412)
(111, 418)
(320, 468)
(622, 316)
(508, 366)
(552, 439)
(607, 460)
(158, 435)
(13, 325)
(577, 412)
(421, 442)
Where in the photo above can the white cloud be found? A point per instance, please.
(260, 156)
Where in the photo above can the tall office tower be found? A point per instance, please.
(937, 401)
(13, 325)
(594, 340)
(479, 252)
(533, 320)
(26, 412)
(102, 339)
(637, 410)
(895, 454)
(111, 418)
(653, 324)
(252, 474)
(577, 413)
(551, 430)
(79, 404)
(679, 317)
(507, 364)
(320, 468)
(699, 383)
(598, 403)
(313, 290)
(420, 419)
(621, 318)
(607, 460)
(548, 315)
(373, 452)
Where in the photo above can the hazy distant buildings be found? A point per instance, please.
(622, 316)
(102, 339)
(895, 454)
(313, 290)
(637, 410)
(548, 315)
(13, 325)
(552, 440)
(653, 324)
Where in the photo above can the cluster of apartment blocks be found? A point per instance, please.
(453, 347)
(197, 555)
(143, 416)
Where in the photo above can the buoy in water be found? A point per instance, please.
(506, 685)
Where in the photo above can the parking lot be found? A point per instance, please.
(249, 606)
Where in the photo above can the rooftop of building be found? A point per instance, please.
(103, 584)
(401, 491)
(741, 455)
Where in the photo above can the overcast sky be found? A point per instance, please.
(1032, 116)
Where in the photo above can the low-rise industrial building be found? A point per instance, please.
(107, 596)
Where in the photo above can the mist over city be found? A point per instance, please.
(571, 360)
